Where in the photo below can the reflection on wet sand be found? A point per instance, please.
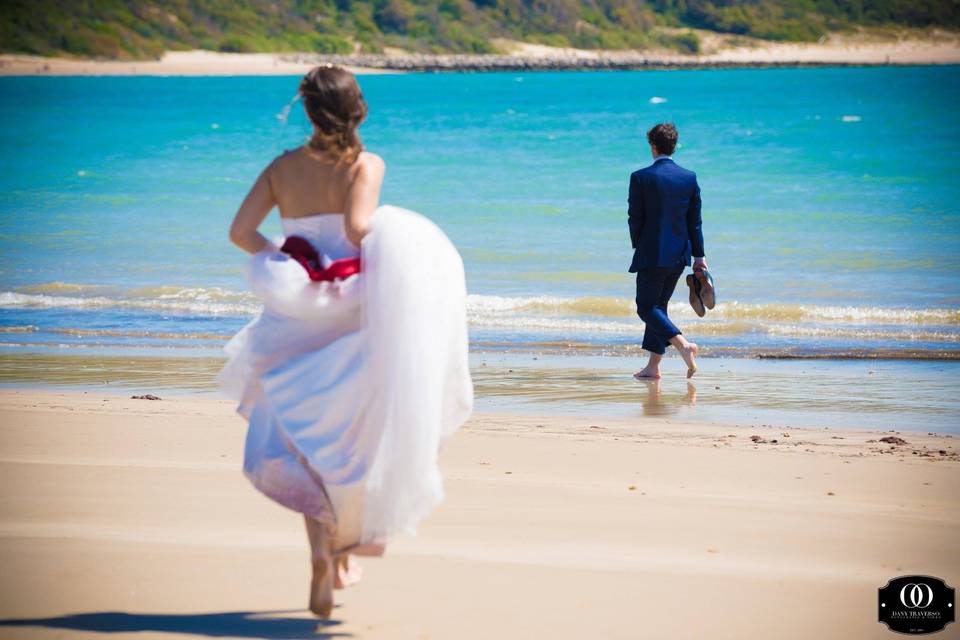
(884, 394)
(881, 394)
(655, 403)
(148, 373)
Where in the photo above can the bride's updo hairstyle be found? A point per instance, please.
(335, 105)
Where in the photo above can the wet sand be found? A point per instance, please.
(864, 393)
(132, 516)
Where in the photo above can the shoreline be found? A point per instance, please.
(621, 520)
(211, 347)
(931, 446)
(869, 396)
(838, 50)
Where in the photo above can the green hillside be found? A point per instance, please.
(117, 29)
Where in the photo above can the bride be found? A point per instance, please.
(356, 369)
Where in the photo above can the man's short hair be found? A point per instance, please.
(664, 137)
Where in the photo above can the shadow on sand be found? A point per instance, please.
(237, 624)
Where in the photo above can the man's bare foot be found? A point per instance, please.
(648, 373)
(689, 354)
(348, 574)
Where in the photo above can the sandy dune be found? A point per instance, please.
(133, 516)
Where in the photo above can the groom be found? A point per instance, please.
(665, 230)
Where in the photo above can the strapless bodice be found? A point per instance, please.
(324, 231)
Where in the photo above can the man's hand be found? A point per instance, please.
(699, 263)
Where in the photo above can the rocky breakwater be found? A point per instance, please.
(605, 60)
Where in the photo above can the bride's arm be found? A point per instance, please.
(363, 196)
(255, 207)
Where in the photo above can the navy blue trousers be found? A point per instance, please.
(655, 285)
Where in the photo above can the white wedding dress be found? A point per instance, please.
(350, 386)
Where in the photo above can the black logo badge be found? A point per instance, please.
(916, 604)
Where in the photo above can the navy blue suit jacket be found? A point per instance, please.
(664, 216)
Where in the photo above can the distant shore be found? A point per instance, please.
(942, 49)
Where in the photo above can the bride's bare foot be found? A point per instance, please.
(321, 536)
(649, 372)
(348, 573)
(321, 587)
(689, 354)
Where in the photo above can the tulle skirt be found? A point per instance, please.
(350, 387)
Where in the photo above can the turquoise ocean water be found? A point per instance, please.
(829, 203)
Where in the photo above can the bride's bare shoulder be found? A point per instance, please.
(283, 164)
(369, 163)
(288, 155)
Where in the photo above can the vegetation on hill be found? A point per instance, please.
(141, 29)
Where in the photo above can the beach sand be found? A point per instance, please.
(133, 516)
(940, 48)
(173, 63)
(858, 47)
(909, 47)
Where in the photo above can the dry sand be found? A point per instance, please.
(173, 63)
(933, 47)
(941, 48)
(133, 516)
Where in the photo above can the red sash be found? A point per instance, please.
(302, 251)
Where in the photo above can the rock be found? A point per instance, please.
(893, 440)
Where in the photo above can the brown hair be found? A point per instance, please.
(335, 105)
(664, 137)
